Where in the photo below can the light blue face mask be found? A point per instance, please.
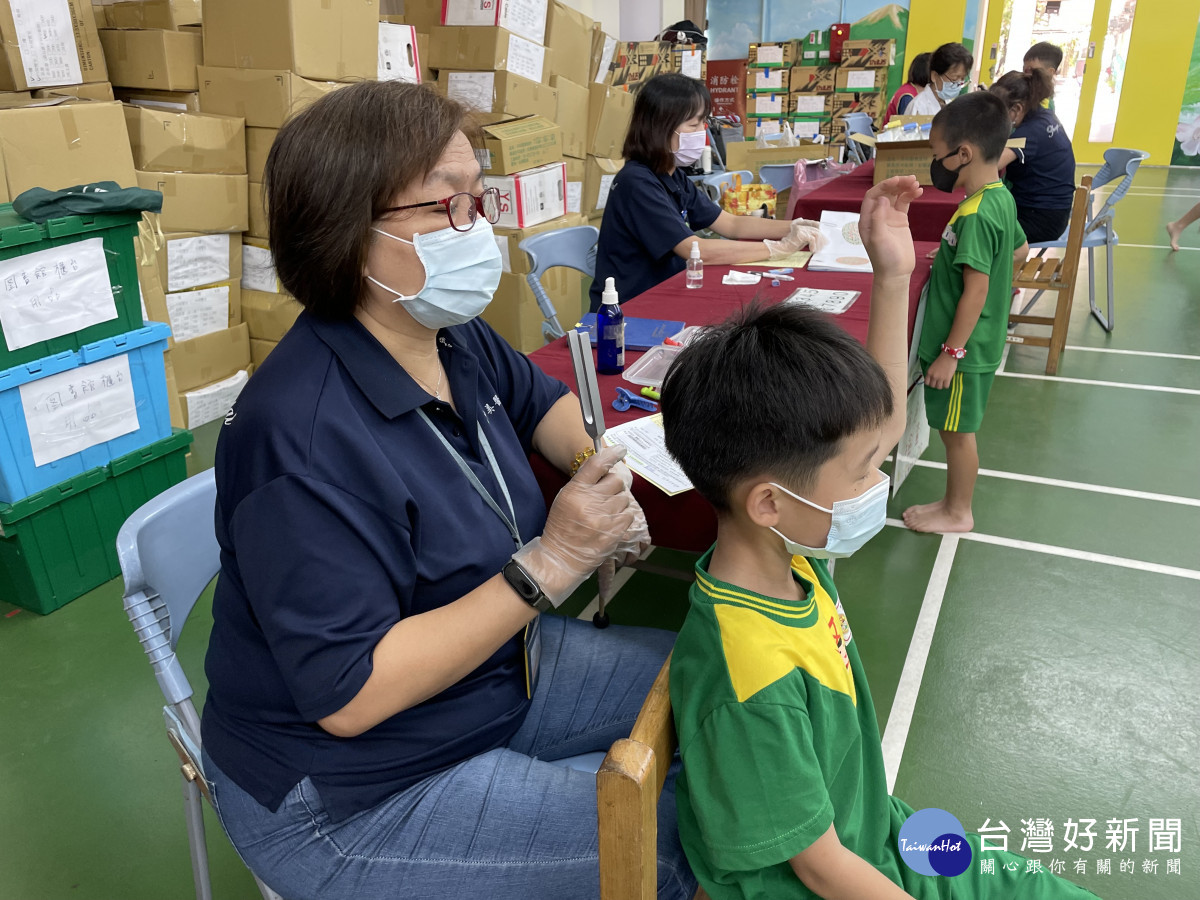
(951, 89)
(855, 521)
(462, 272)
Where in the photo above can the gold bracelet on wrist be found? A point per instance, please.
(580, 457)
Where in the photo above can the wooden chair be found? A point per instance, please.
(1041, 273)
(628, 785)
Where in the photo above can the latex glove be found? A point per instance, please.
(808, 233)
(587, 522)
(636, 539)
(784, 247)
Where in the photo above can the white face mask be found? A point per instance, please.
(691, 147)
(462, 272)
(855, 521)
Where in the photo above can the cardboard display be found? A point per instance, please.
(777, 54)
(157, 60)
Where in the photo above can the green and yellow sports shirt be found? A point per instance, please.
(983, 234)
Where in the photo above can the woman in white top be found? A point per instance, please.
(948, 70)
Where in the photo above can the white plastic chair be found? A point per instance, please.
(574, 248)
(716, 183)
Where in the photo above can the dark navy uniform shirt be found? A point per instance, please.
(339, 513)
(1045, 178)
(645, 217)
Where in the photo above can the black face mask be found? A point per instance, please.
(943, 179)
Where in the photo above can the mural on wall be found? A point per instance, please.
(734, 24)
(1187, 133)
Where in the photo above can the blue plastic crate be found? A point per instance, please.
(19, 476)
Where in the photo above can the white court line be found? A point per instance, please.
(1129, 352)
(1154, 246)
(1004, 358)
(1117, 384)
(1073, 485)
(895, 733)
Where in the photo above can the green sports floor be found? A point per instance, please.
(1044, 668)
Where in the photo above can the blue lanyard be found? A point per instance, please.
(510, 521)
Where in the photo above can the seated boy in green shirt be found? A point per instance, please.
(970, 294)
(781, 420)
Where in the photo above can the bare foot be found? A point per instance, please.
(934, 518)
(1174, 229)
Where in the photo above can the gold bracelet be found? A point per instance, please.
(580, 457)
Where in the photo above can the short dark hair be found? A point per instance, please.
(1044, 51)
(772, 392)
(1028, 90)
(332, 170)
(980, 119)
(918, 70)
(663, 104)
(947, 56)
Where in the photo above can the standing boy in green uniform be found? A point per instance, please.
(781, 420)
(970, 294)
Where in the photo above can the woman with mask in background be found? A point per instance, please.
(949, 69)
(383, 689)
(654, 210)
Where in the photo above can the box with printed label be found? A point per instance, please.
(191, 259)
(568, 43)
(575, 174)
(167, 141)
(264, 98)
(762, 125)
(778, 54)
(513, 258)
(486, 49)
(758, 105)
(609, 112)
(323, 41)
(511, 147)
(170, 15)
(59, 146)
(180, 101)
(761, 80)
(873, 53)
(801, 104)
(213, 401)
(636, 62)
(524, 17)
(258, 146)
(57, 43)
(572, 115)
(269, 315)
(159, 60)
(499, 92)
(814, 79)
(861, 79)
(197, 311)
(514, 312)
(531, 197)
(870, 103)
(807, 127)
(597, 182)
(199, 202)
(399, 53)
(689, 61)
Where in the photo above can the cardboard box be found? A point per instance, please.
(744, 155)
(101, 13)
(861, 79)
(524, 17)
(802, 104)
(269, 315)
(97, 90)
(870, 103)
(576, 169)
(689, 61)
(167, 14)
(207, 203)
(428, 73)
(761, 125)
(500, 92)
(572, 116)
(258, 146)
(190, 259)
(264, 98)
(873, 53)
(807, 127)
(399, 54)
(72, 54)
(212, 402)
(59, 146)
(186, 321)
(568, 43)
(758, 105)
(531, 197)
(210, 357)
(604, 48)
(774, 53)
(609, 112)
(259, 350)
(521, 144)
(597, 182)
(322, 41)
(178, 420)
(517, 318)
(814, 79)
(636, 62)
(167, 141)
(486, 49)
(767, 80)
(256, 202)
(422, 14)
(180, 101)
(159, 60)
(509, 240)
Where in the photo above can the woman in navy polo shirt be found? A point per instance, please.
(653, 209)
(1042, 175)
(383, 693)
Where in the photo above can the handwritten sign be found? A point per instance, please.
(475, 90)
(214, 401)
(46, 41)
(258, 269)
(194, 313)
(198, 260)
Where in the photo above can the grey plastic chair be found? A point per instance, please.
(859, 123)
(574, 248)
(779, 176)
(1099, 232)
(168, 554)
(715, 184)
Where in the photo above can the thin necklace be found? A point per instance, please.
(437, 391)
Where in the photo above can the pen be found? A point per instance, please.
(781, 277)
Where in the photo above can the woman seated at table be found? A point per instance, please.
(949, 68)
(918, 80)
(1041, 175)
(654, 209)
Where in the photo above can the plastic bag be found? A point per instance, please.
(748, 199)
(810, 174)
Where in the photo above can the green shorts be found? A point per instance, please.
(958, 408)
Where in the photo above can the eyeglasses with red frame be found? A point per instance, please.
(463, 208)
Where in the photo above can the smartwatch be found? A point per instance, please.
(527, 589)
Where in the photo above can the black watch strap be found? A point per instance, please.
(525, 586)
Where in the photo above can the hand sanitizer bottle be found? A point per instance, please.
(610, 332)
(695, 267)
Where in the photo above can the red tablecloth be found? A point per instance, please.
(686, 521)
(927, 216)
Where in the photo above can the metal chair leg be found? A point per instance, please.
(194, 812)
(1106, 323)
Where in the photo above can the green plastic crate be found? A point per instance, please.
(20, 237)
(60, 543)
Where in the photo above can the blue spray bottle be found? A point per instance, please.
(610, 332)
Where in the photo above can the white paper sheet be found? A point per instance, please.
(692, 63)
(606, 57)
(198, 260)
(505, 258)
(833, 302)
(767, 55)
(524, 17)
(213, 401)
(476, 90)
(74, 410)
(258, 270)
(647, 453)
(53, 292)
(194, 313)
(861, 80)
(768, 79)
(810, 104)
(915, 440)
(767, 126)
(525, 58)
(843, 250)
(804, 129)
(575, 196)
(46, 41)
(605, 186)
(398, 53)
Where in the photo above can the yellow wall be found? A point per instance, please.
(932, 23)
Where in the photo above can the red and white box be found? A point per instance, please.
(524, 17)
(531, 197)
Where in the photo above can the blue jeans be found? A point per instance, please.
(504, 824)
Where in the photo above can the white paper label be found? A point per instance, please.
(610, 47)
(398, 53)
(525, 58)
(212, 402)
(605, 186)
(767, 55)
(198, 260)
(194, 313)
(71, 411)
(258, 269)
(476, 90)
(502, 244)
(768, 79)
(806, 129)
(524, 17)
(767, 126)
(859, 80)
(46, 41)
(691, 63)
(53, 292)
(809, 104)
(769, 105)
(574, 196)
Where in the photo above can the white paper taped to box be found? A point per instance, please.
(200, 312)
(212, 402)
(258, 269)
(46, 39)
(196, 261)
